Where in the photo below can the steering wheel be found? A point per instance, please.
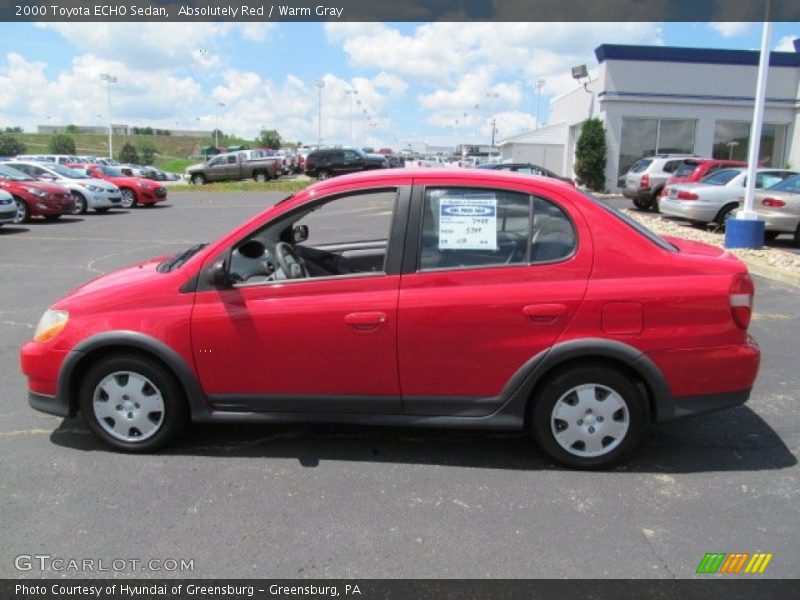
(290, 262)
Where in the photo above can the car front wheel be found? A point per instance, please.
(132, 403)
(128, 198)
(80, 204)
(323, 175)
(23, 212)
(588, 417)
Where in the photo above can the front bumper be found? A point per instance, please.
(52, 405)
(102, 199)
(692, 210)
(6, 215)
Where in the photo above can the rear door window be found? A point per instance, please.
(686, 169)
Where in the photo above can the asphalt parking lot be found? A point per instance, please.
(314, 501)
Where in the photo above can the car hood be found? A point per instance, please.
(101, 183)
(196, 167)
(53, 188)
(130, 181)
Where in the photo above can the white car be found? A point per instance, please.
(8, 208)
(714, 199)
(87, 192)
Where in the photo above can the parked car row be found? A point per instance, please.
(50, 189)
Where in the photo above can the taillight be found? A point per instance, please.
(741, 299)
(773, 202)
(644, 182)
(683, 195)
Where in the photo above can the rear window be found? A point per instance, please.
(791, 185)
(721, 177)
(657, 240)
(686, 169)
(640, 165)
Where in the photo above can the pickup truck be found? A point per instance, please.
(235, 166)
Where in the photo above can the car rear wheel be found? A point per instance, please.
(725, 213)
(23, 212)
(132, 403)
(80, 204)
(588, 417)
(323, 174)
(641, 203)
(198, 179)
(128, 198)
(261, 177)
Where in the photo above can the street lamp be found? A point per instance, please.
(350, 93)
(731, 145)
(538, 85)
(492, 97)
(320, 83)
(109, 79)
(216, 122)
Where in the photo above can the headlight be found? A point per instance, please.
(50, 325)
(91, 188)
(36, 192)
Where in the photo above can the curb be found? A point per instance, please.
(770, 272)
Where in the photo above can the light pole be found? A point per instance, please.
(350, 93)
(320, 83)
(217, 106)
(492, 98)
(109, 79)
(538, 85)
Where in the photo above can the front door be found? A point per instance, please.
(310, 324)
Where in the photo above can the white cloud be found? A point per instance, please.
(731, 29)
(786, 44)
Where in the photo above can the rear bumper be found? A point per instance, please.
(677, 408)
(638, 194)
(775, 220)
(693, 210)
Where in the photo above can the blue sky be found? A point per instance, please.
(414, 81)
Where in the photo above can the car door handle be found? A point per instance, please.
(544, 313)
(365, 320)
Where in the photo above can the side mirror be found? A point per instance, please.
(299, 233)
(218, 275)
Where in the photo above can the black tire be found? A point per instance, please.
(654, 201)
(323, 174)
(641, 203)
(128, 198)
(23, 212)
(559, 389)
(797, 235)
(261, 177)
(102, 210)
(198, 179)
(725, 213)
(771, 236)
(175, 414)
(80, 204)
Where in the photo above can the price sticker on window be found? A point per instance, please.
(468, 224)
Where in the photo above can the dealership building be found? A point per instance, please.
(657, 99)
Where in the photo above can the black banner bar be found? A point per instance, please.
(740, 588)
(401, 10)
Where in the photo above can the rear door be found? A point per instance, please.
(491, 278)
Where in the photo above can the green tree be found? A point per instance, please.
(72, 129)
(11, 146)
(128, 154)
(591, 154)
(269, 138)
(61, 144)
(147, 152)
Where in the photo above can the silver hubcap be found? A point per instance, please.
(21, 211)
(80, 204)
(128, 406)
(590, 420)
(127, 198)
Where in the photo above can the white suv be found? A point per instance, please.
(87, 192)
(646, 178)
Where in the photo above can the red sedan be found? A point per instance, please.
(435, 298)
(135, 191)
(35, 198)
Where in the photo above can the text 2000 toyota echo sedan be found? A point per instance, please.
(402, 297)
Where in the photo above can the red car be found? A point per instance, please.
(134, 190)
(435, 298)
(35, 198)
(692, 170)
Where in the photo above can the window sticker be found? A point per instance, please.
(468, 224)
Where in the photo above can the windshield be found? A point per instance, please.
(179, 259)
(791, 185)
(13, 174)
(721, 177)
(111, 171)
(66, 172)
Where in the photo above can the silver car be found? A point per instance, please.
(779, 208)
(646, 178)
(715, 197)
(8, 208)
(97, 194)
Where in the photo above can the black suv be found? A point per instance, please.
(338, 161)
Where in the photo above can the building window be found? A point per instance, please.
(647, 137)
(732, 137)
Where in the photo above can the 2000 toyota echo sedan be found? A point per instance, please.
(440, 298)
